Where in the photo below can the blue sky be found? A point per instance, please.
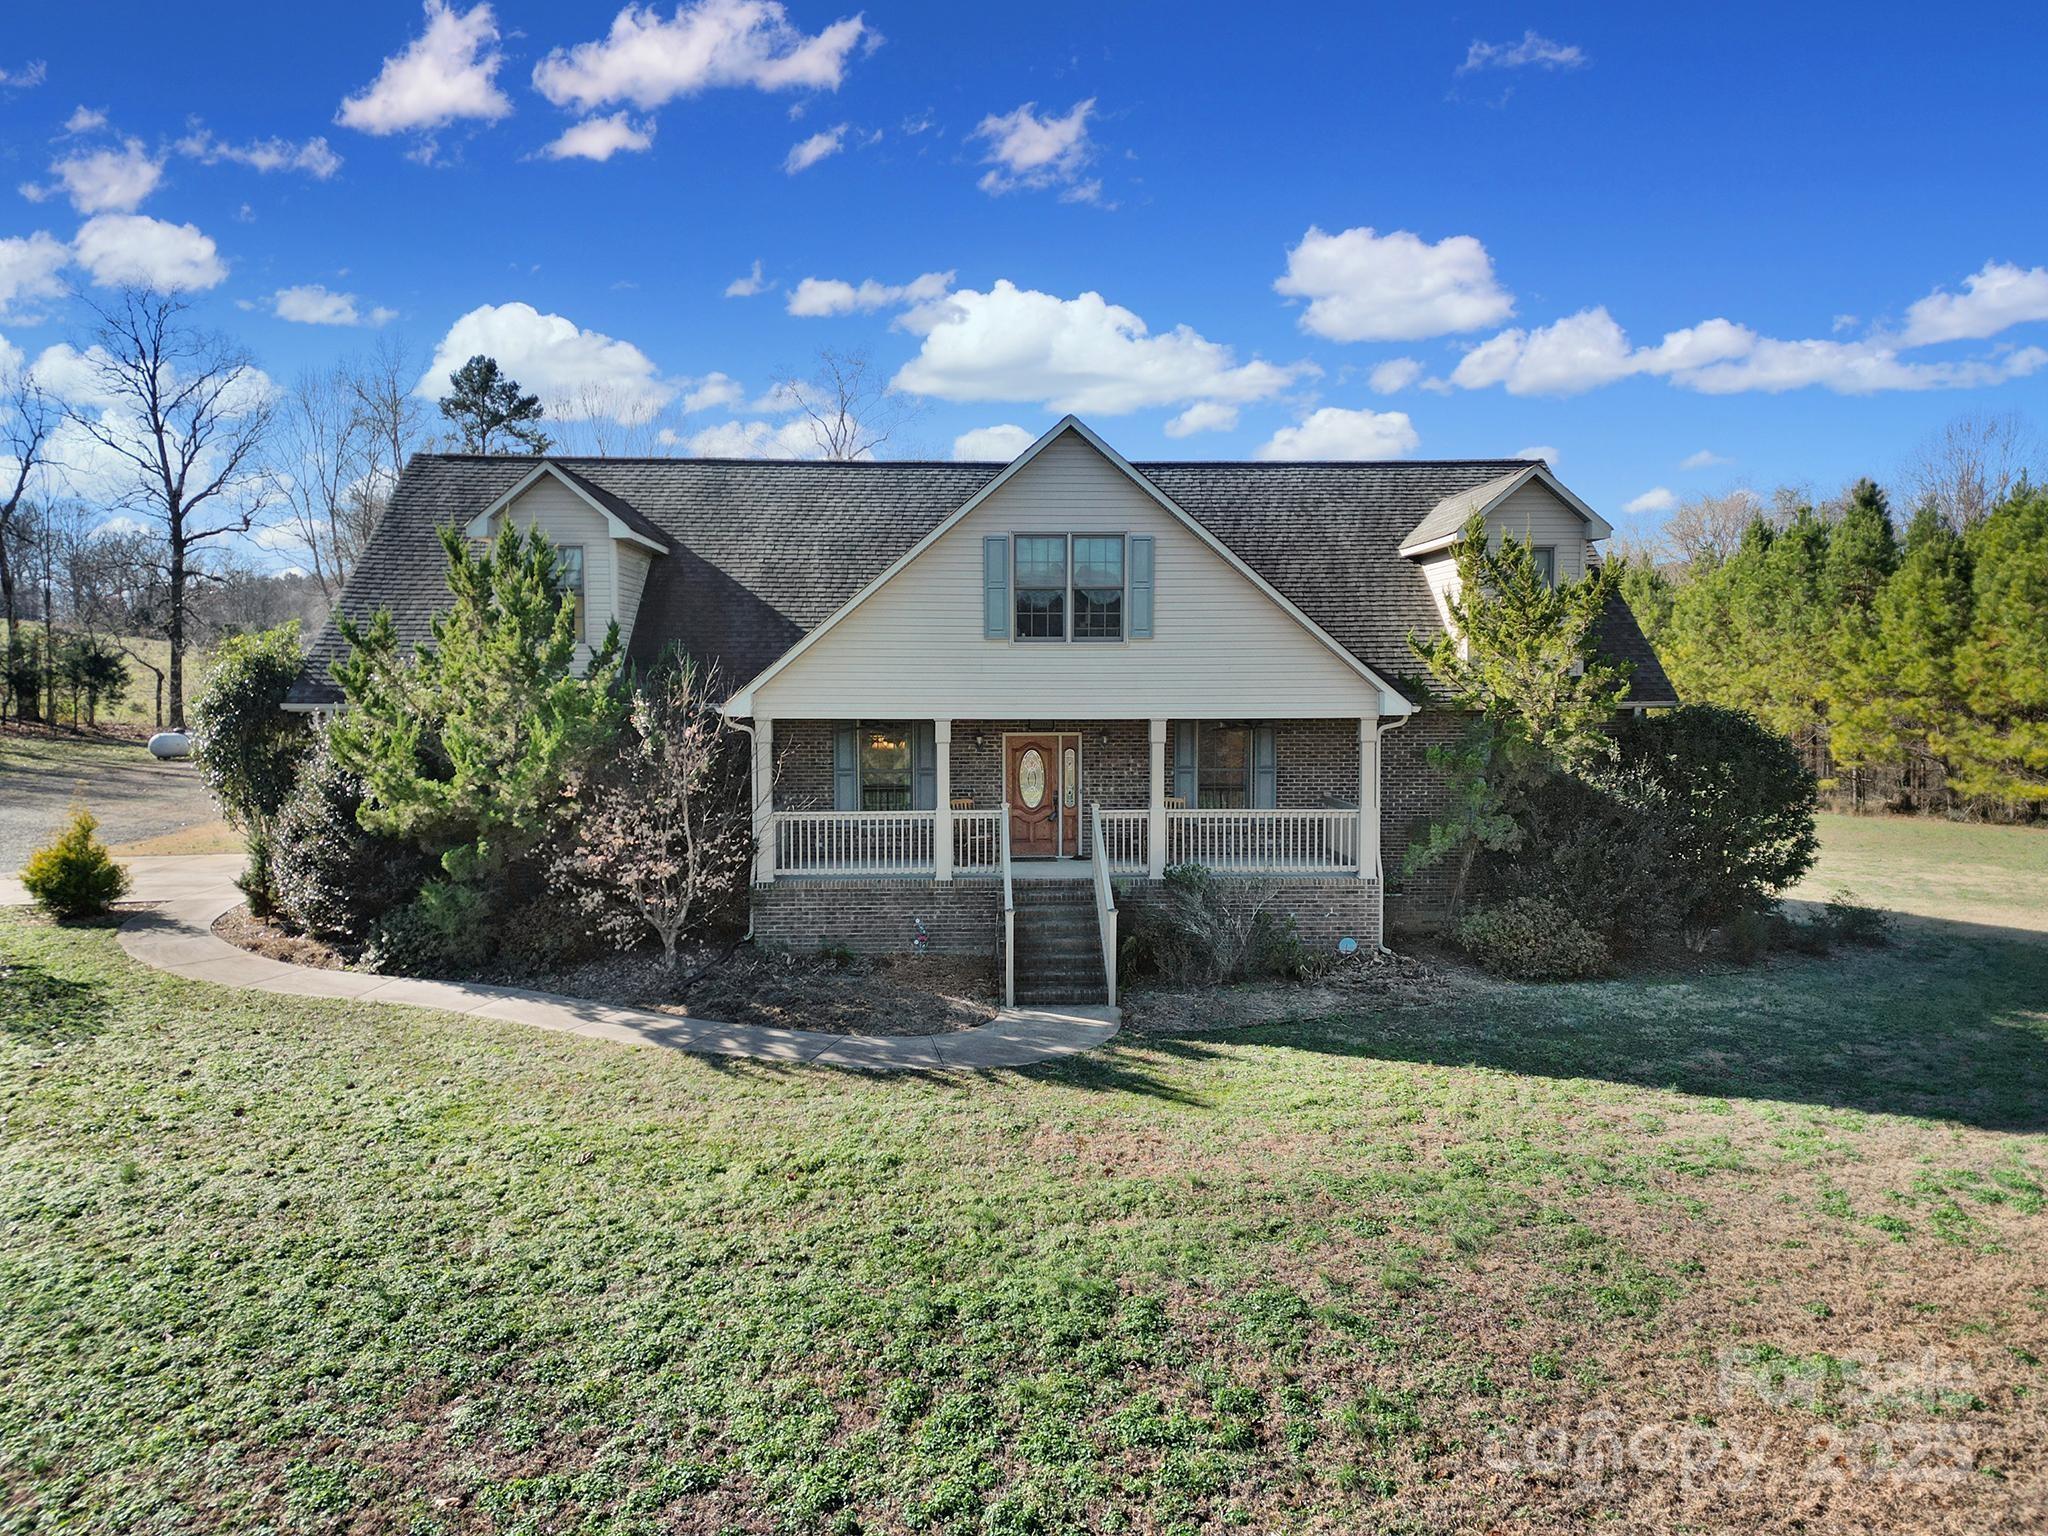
(1741, 245)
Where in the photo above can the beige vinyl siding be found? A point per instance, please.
(633, 564)
(1535, 513)
(1221, 647)
(567, 519)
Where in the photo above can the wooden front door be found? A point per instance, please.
(1042, 784)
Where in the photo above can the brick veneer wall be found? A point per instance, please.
(1411, 793)
(963, 917)
(880, 917)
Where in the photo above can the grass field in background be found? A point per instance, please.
(138, 708)
(1729, 1249)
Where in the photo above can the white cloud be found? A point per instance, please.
(1363, 286)
(746, 287)
(313, 304)
(1706, 458)
(1335, 433)
(119, 249)
(1026, 150)
(29, 271)
(84, 119)
(578, 373)
(314, 157)
(1996, 297)
(711, 392)
(1657, 498)
(1541, 451)
(755, 440)
(819, 146)
(1854, 368)
(599, 138)
(819, 296)
(998, 444)
(24, 77)
(120, 525)
(1203, 416)
(1394, 375)
(1589, 349)
(446, 74)
(647, 61)
(109, 180)
(1079, 354)
(73, 376)
(1534, 48)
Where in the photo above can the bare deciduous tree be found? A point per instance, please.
(850, 409)
(393, 416)
(189, 416)
(27, 418)
(1708, 527)
(1969, 466)
(321, 442)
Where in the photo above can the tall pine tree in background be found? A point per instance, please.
(1998, 745)
(1898, 689)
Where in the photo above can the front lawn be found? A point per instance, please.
(1753, 1249)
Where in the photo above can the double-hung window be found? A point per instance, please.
(569, 577)
(1098, 587)
(1041, 586)
(885, 768)
(1224, 768)
(1545, 558)
(1069, 586)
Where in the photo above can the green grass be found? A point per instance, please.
(1942, 869)
(276, 1264)
(61, 750)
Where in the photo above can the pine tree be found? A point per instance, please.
(1898, 692)
(484, 403)
(463, 746)
(2000, 746)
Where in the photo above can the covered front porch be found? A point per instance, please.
(939, 799)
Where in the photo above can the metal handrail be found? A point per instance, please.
(1105, 909)
(1009, 916)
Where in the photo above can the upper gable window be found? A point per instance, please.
(1041, 587)
(569, 575)
(1069, 586)
(1545, 558)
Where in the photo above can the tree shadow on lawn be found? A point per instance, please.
(1950, 1022)
(38, 1007)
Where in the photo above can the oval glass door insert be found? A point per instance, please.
(1031, 779)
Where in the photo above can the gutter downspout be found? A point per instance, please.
(754, 746)
(1379, 843)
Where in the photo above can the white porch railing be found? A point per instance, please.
(1105, 907)
(853, 842)
(1122, 836)
(1319, 842)
(976, 840)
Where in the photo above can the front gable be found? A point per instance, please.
(927, 639)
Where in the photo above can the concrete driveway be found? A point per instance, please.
(132, 794)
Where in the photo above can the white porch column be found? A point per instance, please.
(764, 801)
(1155, 810)
(1368, 798)
(942, 808)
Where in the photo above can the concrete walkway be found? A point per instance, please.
(177, 935)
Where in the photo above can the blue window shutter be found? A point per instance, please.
(1184, 762)
(1141, 587)
(995, 588)
(846, 768)
(924, 766)
(1265, 770)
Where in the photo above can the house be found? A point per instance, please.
(980, 693)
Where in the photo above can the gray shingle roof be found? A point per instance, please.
(762, 552)
(1448, 517)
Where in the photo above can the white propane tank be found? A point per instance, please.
(170, 744)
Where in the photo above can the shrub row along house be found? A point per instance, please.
(973, 687)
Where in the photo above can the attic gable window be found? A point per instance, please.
(569, 577)
(1041, 587)
(1098, 588)
(1545, 557)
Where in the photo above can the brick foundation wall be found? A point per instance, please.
(879, 917)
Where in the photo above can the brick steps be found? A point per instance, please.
(1059, 949)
